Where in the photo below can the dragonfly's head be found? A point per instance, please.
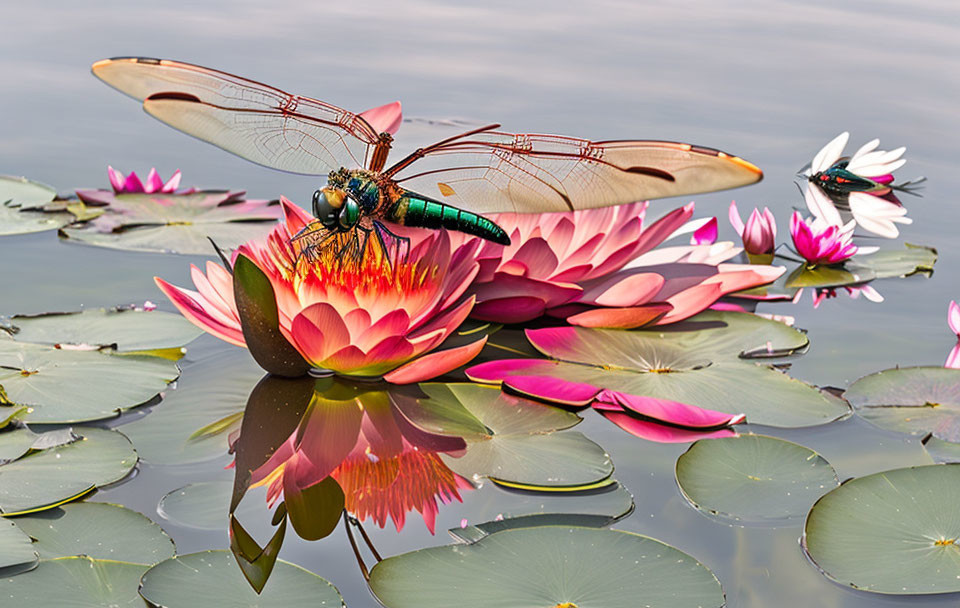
(335, 209)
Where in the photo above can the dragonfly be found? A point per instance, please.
(451, 184)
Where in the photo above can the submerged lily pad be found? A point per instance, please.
(48, 478)
(193, 422)
(594, 508)
(753, 477)
(16, 548)
(97, 530)
(915, 400)
(548, 566)
(66, 386)
(205, 505)
(698, 362)
(212, 578)
(78, 582)
(509, 439)
(177, 223)
(895, 532)
(126, 330)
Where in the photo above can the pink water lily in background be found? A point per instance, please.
(953, 320)
(601, 268)
(132, 184)
(820, 243)
(759, 234)
(366, 319)
(706, 234)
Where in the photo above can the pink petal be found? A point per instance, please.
(294, 217)
(735, 220)
(660, 433)
(117, 179)
(555, 390)
(154, 183)
(953, 359)
(392, 324)
(953, 317)
(328, 433)
(516, 309)
(384, 119)
(493, 372)
(133, 183)
(319, 331)
(622, 318)
(436, 363)
(706, 234)
(691, 301)
(348, 360)
(627, 288)
(658, 231)
(671, 412)
(195, 309)
(173, 183)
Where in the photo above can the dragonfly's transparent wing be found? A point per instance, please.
(252, 120)
(490, 172)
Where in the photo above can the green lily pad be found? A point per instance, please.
(513, 440)
(912, 259)
(212, 578)
(48, 478)
(895, 532)
(698, 362)
(77, 582)
(941, 451)
(126, 330)
(177, 223)
(16, 548)
(594, 508)
(67, 386)
(828, 276)
(21, 202)
(753, 477)
(548, 566)
(915, 400)
(206, 505)
(97, 530)
(193, 422)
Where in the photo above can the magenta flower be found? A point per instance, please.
(759, 234)
(953, 320)
(819, 243)
(132, 183)
(600, 268)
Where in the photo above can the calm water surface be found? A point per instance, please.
(771, 81)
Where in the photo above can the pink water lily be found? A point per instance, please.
(601, 268)
(953, 320)
(367, 319)
(820, 243)
(759, 234)
(132, 184)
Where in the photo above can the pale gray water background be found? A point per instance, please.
(770, 81)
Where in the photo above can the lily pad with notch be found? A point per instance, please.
(753, 478)
(548, 566)
(17, 553)
(67, 386)
(46, 478)
(895, 532)
(93, 583)
(21, 207)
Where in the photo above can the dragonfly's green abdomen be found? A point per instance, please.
(423, 212)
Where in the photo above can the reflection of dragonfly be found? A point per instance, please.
(480, 171)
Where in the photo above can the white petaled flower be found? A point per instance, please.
(872, 213)
(875, 165)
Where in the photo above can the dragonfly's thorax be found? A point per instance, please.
(359, 185)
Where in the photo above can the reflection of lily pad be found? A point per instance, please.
(593, 508)
(753, 477)
(16, 548)
(894, 532)
(514, 440)
(212, 578)
(193, 422)
(128, 330)
(78, 582)
(169, 223)
(20, 207)
(97, 530)
(65, 386)
(916, 400)
(47, 478)
(206, 505)
(548, 566)
(697, 362)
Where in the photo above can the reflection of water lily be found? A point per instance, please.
(820, 243)
(385, 466)
(598, 267)
(364, 319)
(759, 234)
(953, 320)
(854, 291)
(132, 184)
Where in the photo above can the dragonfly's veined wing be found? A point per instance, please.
(491, 172)
(252, 120)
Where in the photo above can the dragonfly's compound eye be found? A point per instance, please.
(349, 214)
(323, 210)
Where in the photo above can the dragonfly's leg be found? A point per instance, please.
(312, 251)
(400, 242)
(384, 249)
